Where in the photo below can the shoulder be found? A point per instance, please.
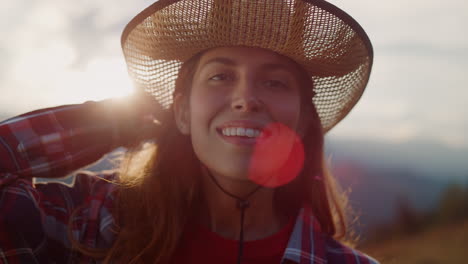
(46, 211)
(309, 244)
(88, 201)
(337, 252)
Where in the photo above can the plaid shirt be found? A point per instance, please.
(57, 141)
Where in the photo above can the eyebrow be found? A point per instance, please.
(266, 66)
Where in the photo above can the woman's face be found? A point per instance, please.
(236, 93)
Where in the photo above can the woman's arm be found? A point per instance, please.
(47, 143)
(53, 142)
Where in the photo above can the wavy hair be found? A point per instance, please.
(157, 197)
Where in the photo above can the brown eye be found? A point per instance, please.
(220, 77)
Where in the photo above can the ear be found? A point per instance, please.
(182, 114)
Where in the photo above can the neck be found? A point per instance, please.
(221, 214)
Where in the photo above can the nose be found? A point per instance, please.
(244, 98)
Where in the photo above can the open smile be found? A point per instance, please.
(242, 133)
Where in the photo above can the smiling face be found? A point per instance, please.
(236, 94)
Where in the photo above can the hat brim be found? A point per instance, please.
(330, 45)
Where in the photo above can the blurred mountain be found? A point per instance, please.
(374, 193)
(379, 175)
(428, 158)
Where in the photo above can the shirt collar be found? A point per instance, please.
(307, 242)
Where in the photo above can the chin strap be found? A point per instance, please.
(242, 204)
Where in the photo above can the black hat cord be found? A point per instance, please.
(242, 204)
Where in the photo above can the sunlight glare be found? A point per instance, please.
(101, 79)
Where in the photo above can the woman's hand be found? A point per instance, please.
(134, 117)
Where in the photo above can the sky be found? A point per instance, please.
(56, 52)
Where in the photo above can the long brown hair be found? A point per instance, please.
(157, 197)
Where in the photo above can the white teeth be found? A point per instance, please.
(256, 133)
(241, 132)
(233, 131)
(249, 132)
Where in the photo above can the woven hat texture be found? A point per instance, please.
(327, 42)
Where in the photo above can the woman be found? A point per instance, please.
(245, 91)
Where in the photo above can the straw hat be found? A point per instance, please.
(327, 42)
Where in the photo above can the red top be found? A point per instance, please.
(204, 246)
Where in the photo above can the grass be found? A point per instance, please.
(445, 244)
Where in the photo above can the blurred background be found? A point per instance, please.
(402, 153)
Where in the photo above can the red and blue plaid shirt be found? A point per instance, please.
(55, 142)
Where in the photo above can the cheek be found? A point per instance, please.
(286, 110)
(203, 107)
(201, 112)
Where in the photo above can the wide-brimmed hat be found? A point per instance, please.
(330, 45)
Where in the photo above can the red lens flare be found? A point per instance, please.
(278, 158)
